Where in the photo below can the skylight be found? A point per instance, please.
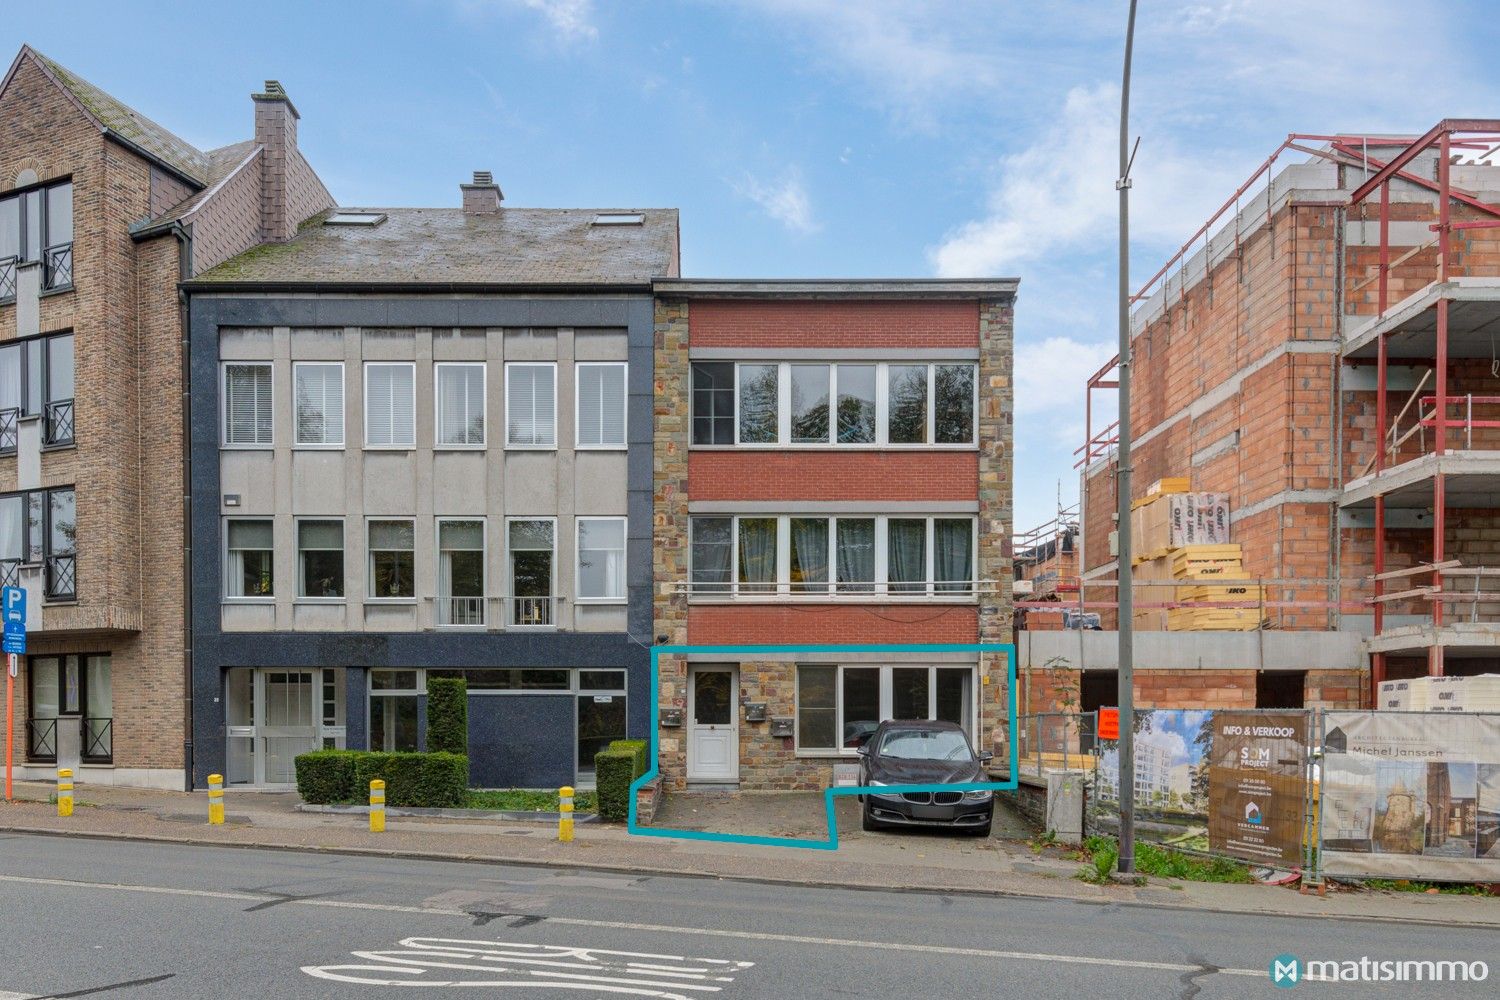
(619, 219)
(355, 219)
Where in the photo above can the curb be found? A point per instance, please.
(421, 812)
(758, 879)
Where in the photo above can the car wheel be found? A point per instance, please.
(867, 819)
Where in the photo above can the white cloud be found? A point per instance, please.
(1050, 373)
(784, 200)
(571, 20)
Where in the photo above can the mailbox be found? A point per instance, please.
(671, 717)
(781, 727)
(755, 711)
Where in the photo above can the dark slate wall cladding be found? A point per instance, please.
(521, 741)
(214, 651)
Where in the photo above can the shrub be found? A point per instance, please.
(636, 747)
(325, 776)
(421, 780)
(614, 770)
(447, 715)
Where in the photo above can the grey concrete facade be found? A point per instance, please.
(283, 482)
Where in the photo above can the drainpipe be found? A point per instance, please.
(185, 269)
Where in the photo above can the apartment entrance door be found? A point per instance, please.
(276, 714)
(713, 753)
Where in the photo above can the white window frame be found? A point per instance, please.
(366, 375)
(437, 406)
(882, 583)
(224, 441)
(484, 548)
(224, 561)
(370, 562)
(578, 368)
(297, 596)
(297, 442)
(578, 597)
(887, 701)
(882, 408)
(513, 446)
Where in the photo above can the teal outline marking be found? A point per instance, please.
(832, 842)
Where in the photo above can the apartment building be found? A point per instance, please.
(832, 467)
(102, 212)
(422, 446)
(1320, 352)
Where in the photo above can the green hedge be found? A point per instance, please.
(428, 780)
(636, 747)
(614, 770)
(447, 715)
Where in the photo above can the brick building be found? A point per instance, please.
(1259, 372)
(102, 213)
(832, 466)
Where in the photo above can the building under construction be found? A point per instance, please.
(1324, 353)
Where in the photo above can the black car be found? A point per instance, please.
(924, 753)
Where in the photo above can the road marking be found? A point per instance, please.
(929, 949)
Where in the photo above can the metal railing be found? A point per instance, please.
(10, 422)
(61, 577)
(10, 572)
(1057, 741)
(41, 742)
(532, 612)
(57, 267)
(896, 590)
(8, 277)
(57, 423)
(460, 610)
(98, 740)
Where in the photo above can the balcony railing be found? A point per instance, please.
(460, 610)
(98, 740)
(57, 423)
(894, 591)
(57, 267)
(8, 277)
(41, 743)
(61, 582)
(10, 572)
(532, 612)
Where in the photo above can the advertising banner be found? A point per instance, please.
(1257, 786)
(1171, 778)
(1411, 795)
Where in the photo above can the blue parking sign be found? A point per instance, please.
(13, 602)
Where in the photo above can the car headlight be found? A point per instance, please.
(978, 796)
(881, 795)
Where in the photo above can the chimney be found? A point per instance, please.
(276, 134)
(482, 197)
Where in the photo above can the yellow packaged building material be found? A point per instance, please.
(1170, 521)
(1179, 484)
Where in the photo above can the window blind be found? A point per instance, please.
(390, 405)
(460, 405)
(247, 396)
(531, 405)
(601, 405)
(320, 404)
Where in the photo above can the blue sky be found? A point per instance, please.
(814, 137)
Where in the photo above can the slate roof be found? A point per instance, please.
(221, 163)
(445, 246)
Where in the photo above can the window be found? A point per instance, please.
(758, 401)
(531, 548)
(713, 402)
(856, 407)
(390, 405)
(320, 559)
(37, 225)
(531, 404)
(460, 588)
(601, 559)
(511, 679)
(36, 377)
(906, 422)
(953, 390)
(319, 390)
(40, 527)
(393, 709)
(247, 404)
(72, 690)
(355, 219)
(248, 562)
(601, 404)
(460, 405)
(839, 707)
(619, 219)
(810, 403)
(392, 573)
(795, 554)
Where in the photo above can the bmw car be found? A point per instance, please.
(924, 753)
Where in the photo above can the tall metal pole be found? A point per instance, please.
(1126, 601)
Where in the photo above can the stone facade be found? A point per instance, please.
(669, 521)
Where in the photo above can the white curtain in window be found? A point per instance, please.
(97, 687)
(10, 377)
(601, 558)
(247, 395)
(531, 404)
(390, 417)
(460, 406)
(11, 523)
(601, 405)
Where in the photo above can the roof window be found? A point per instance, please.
(355, 219)
(619, 219)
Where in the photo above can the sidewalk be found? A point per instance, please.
(920, 861)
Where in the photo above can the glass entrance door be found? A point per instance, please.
(275, 715)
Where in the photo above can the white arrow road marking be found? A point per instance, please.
(929, 949)
(532, 966)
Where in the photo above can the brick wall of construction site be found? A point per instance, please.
(1470, 536)
(1097, 504)
(1472, 252)
(1057, 690)
(1466, 377)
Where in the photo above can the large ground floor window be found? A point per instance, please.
(66, 691)
(839, 706)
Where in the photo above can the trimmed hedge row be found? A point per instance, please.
(448, 715)
(615, 770)
(425, 780)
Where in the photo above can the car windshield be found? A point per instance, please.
(925, 744)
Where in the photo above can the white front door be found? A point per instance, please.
(713, 725)
(275, 715)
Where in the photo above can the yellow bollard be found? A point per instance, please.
(65, 792)
(215, 800)
(377, 806)
(565, 814)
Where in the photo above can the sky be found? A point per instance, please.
(815, 138)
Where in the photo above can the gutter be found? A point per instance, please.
(642, 287)
(185, 270)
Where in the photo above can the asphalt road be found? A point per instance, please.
(118, 919)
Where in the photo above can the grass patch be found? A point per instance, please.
(1407, 885)
(1153, 859)
(525, 800)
